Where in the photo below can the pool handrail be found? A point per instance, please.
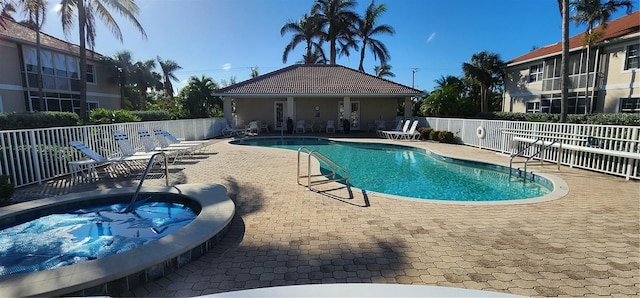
(144, 175)
(333, 165)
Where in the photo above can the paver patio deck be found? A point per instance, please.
(584, 244)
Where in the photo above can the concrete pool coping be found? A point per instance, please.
(559, 187)
(121, 271)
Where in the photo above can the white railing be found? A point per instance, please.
(608, 149)
(32, 156)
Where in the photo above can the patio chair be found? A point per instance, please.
(166, 139)
(300, 126)
(330, 127)
(229, 131)
(175, 151)
(254, 127)
(264, 126)
(88, 167)
(386, 133)
(406, 134)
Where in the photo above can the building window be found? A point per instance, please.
(91, 105)
(630, 105)
(632, 57)
(535, 73)
(533, 107)
(91, 74)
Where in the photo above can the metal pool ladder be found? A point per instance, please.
(144, 175)
(330, 177)
(542, 142)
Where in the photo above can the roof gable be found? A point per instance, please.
(317, 79)
(620, 27)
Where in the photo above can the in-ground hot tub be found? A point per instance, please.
(117, 273)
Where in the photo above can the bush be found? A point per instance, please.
(104, 116)
(424, 132)
(28, 120)
(433, 135)
(6, 189)
(599, 119)
(155, 115)
(446, 137)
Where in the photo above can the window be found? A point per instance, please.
(535, 73)
(630, 105)
(91, 105)
(91, 74)
(632, 57)
(533, 107)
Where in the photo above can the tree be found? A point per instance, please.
(304, 30)
(383, 70)
(367, 29)
(564, 67)
(143, 78)
(86, 11)
(120, 66)
(486, 70)
(591, 12)
(168, 68)
(338, 19)
(6, 9)
(36, 11)
(254, 72)
(197, 98)
(447, 99)
(317, 57)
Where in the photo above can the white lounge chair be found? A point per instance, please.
(229, 131)
(405, 130)
(167, 139)
(412, 134)
(254, 127)
(175, 151)
(300, 126)
(383, 133)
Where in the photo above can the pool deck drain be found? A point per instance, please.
(584, 244)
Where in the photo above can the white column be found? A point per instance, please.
(290, 109)
(408, 107)
(347, 109)
(226, 108)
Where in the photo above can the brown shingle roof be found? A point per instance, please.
(317, 79)
(626, 25)
(25, 35)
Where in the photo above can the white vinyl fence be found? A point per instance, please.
(608, 149)
(32, 156)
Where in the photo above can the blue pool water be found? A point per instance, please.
(410, 172)
(85, 234)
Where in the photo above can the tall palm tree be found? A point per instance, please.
(563, 6)
(198, 100)
(338, 19)
(36, 11)
(168, 68)
(144, 78)
(591, 12)
(487, 70)
(121, 67)
(254, 72)
(86, 11)
(449, 81)
(384, 70)
(304, 30)
(367, 29)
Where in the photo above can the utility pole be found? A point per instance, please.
(413, 75)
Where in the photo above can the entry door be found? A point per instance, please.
(355, 114)
(280, 113)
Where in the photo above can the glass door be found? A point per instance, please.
(279, 114)
(354, 119)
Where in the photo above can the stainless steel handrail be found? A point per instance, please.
(533, 155)
(334, 166)
(144, 175)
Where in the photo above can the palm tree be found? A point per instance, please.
(304, 30)
(317, 57)
(367, 28)
(36, 11)
(198, 100)
(591, 12)
(254, 72)
(383, 70)
(6, 9)
(168, 68)
(487, 70)
(339, 19)
(563, 5)
(86, 12)
(450, 80)
(143, 79)
(121, 67)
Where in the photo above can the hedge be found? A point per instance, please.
(30, 120)
(626, 119)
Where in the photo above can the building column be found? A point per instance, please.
(227, 109)
(408, 107)
(290, 109)
(347, 109)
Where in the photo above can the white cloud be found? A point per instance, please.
(431, 37)
(56, 8)
(226, 66)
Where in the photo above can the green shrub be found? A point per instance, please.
(6, 189)
(29, 120)
(104, 116)
(446, 137)
(424, 132)
(626, 119)
(155, 115)
(433, 135)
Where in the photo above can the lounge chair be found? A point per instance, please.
(330, 127)
(175, 151)
(400, 128)
(229, 131)
(88, 166)
(167, 139)
(382, 133)
(409, 134)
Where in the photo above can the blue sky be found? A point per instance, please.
(224, 38)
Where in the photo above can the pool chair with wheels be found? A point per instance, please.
(88, 167)
(330, 127)
(166, 139)
(399, 128)
(176, 151)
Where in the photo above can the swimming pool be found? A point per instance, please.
(415, 173)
